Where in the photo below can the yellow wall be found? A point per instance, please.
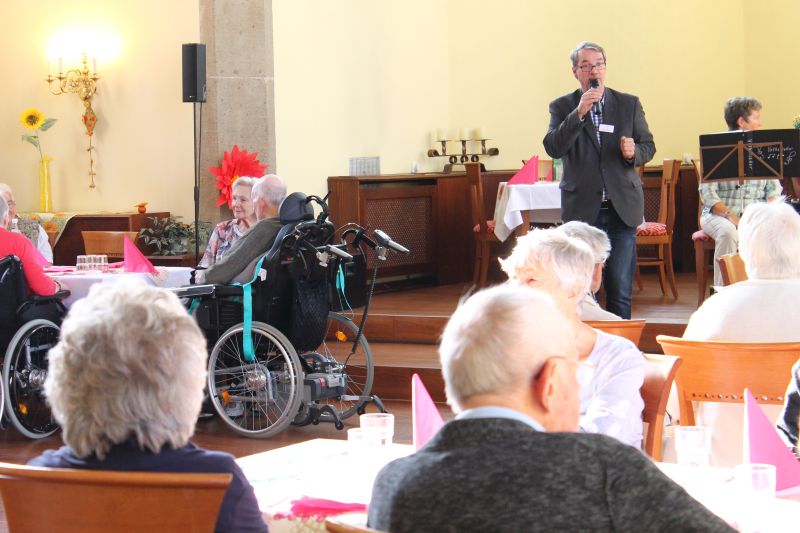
(144, 131)
(362, 78)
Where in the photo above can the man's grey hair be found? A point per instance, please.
(493, 343)
(5, 188)
(739, 107)
(244, 181)
(3, 210)
(270, 188)
(594, 237)
(769, 241)
(570, 259)
(585, 45)
(130, 366)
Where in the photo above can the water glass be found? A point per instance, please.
(377, 428)
(102, 263)
(755, 484)
(81, 263)
(693, 445)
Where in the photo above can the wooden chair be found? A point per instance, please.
(335, 525)
(629, 329)
(483, 228)
(659, 374)
(704, 247)
(659, 233)
(732, 269)
(88, 501)
(719, 371)
(110, 243)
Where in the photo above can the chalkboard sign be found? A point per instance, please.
(751, 154)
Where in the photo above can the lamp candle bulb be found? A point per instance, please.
(60, 65)
(94, 65)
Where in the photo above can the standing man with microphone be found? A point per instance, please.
(602, 136)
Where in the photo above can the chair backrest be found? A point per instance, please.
(629, 329)
(87, 501)
(477, 209)
(659, 374)
(715, 371)
(334, 525)
(698, 168)
(732, 269)
(110, 243)
(666, 205)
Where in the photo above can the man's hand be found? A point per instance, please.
(587, 101)
(628, 147)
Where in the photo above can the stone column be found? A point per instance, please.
(240, 107)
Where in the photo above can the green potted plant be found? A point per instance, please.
(170, 236)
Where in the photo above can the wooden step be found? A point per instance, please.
(396, 363)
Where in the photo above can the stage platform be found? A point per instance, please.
(403, 329)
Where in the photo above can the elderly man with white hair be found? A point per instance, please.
(511, 460)
(125, 382)
(238, 265)
(601, 248)
(31, 229)
(764, 308)
(562, 266)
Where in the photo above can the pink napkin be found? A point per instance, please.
(56, 269)
(549, 176)
(763, 445)
(135, 261)
(528, 174)
(308, 507)
(426, 419)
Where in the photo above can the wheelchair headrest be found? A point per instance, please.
(295, 208)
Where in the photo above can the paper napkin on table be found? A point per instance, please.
(763, 445)
(135, 261)
(426, 419)
(308, 507)
(528, 174)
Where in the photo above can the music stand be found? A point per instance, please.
(751, 155)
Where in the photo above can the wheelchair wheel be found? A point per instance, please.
(358, 368)
(24, 372)
(258, 399)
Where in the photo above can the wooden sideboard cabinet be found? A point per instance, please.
(428, 213)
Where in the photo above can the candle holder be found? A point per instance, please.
(464, 156)
(82, 82)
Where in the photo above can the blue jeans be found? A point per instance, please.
(620, 265)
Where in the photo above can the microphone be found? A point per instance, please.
(385, 240)
(594, 84)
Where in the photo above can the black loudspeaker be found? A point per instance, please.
(194, 72)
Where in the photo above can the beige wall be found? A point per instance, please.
(144, 131)
(362, 78)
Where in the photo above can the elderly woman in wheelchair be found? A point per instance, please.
(278, 356)
(30, 312)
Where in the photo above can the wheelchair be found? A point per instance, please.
(29, 327)
(277, 355)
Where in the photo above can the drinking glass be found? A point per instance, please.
(102, 263)
(377, 428)
(755, 484)
(693, 445)
(81, 263)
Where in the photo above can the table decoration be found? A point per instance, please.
(35, 121)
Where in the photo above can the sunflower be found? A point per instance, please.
(32, 118)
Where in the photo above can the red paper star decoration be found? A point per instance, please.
(237, 163)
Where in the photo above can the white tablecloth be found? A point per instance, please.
(318, 468)
(542, 200)
(79, 283)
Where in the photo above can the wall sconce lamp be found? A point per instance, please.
(82, 82)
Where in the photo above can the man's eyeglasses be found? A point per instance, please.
(587, 67)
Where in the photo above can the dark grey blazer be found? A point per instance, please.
(588, 165)
(498, 475)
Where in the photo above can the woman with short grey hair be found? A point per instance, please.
(612, 370)
(125, 382)
(227, 232)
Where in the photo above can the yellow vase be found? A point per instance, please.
(45, 196)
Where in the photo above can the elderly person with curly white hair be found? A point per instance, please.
(562, 266)
(601, 248)
(125, 382)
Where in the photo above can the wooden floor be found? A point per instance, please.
(403, 330)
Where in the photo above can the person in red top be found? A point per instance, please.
(17, 244)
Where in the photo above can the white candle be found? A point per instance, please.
(48, 68)
(441, 135)
(60, 65)
(462, 134)
(94, 65)
(479, 134)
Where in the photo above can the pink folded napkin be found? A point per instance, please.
(135, 261)
(53, 269)
(426, 419)
(549, 176)
(763, 445)
(528, 174)
(308, 507)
